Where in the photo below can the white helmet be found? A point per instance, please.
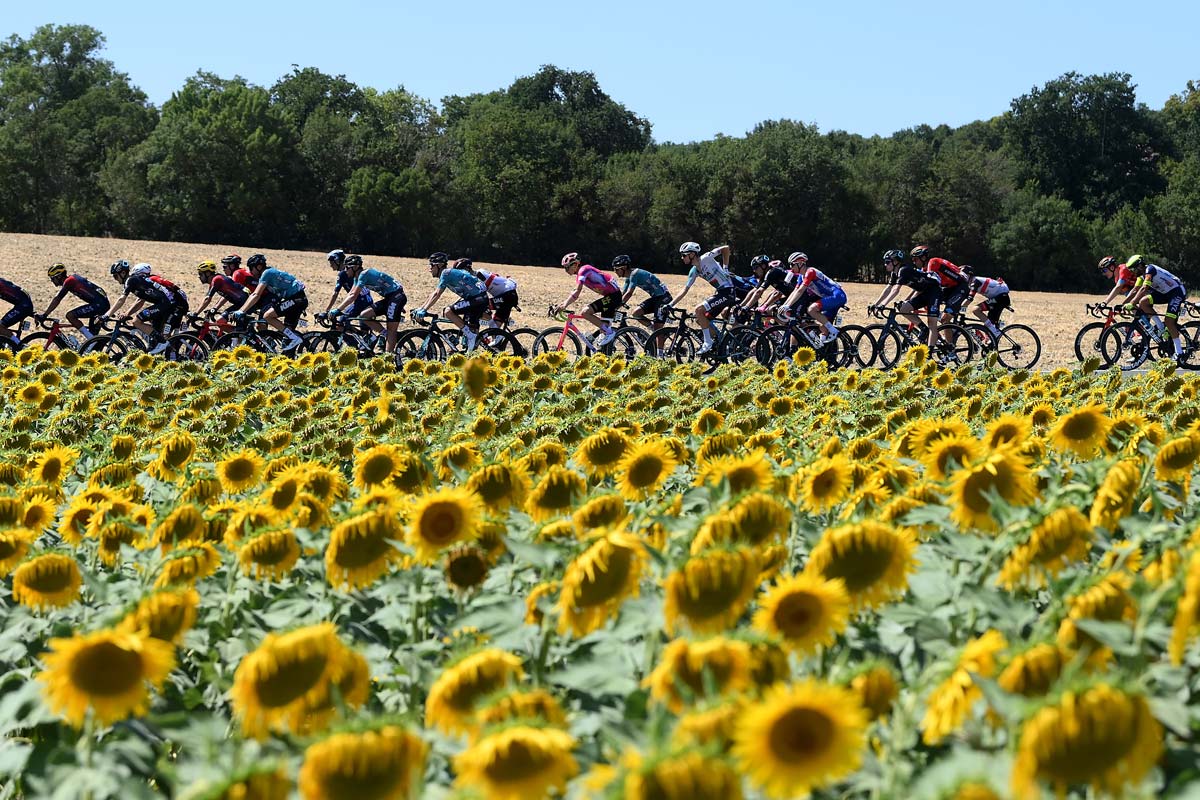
(141, 269)
(689, 247)
(797, 256)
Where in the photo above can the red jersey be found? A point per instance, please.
(84, 289)
(161, 281)
(948, 273)
(245, 277)
(1124, 278)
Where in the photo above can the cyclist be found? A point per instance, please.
(1121, 276)
(289, 299)
(231, 264)
(891, 287)
(760, 269)
(22, 307)
(831, 296)
(652, 311)
(995, 299)
(716, 272)
(502, 293)
(95, 300)
(179, 300)
(926, 294)
(390, 305)
(345, 283)
(955, 285)
(1156, 285)
(222, 289)
(472, 304)
(598, 312)
(160, 304)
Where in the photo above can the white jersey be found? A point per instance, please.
(1160, 280)
(495, 283)
(712, 270)
(991, 288)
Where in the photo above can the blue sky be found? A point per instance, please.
(693, 69)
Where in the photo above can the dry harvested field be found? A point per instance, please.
(24, 257)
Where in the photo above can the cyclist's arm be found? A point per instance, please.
(351, 296)
(1112, 295)
(117, 306)
(54, 303)
(890, 290)
(628, 293)
(333, 298)
(258, 292)
(136, 308)
(687, 287)
(433, 298)
(208, 298)
(574, 296)
(1137, 293)
(725, 252)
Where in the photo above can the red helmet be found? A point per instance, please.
(920, 251)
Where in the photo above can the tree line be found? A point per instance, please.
(1073, 170)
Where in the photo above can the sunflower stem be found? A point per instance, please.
(543, 653)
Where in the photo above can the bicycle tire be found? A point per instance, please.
(322, 342)
(524, 337)
(1087, 342)
(956, 344)
(840, 352)
(43, 337)
(1018, 346)
(737, 345)
(1125, 346)
(548, 342)
(420, 343)
(183, 347)
(889, 348)
(861, 356)
(116, 348)
(676, 344)
(496, 341)
(628, 343)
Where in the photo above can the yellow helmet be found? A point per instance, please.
(56, 271)
(1135, 262)
(207, 268)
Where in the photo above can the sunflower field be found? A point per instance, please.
(265, 578)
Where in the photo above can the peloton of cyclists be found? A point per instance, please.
(158, 303)
(287, 304)
(1152, 286)
(222, 289)
(830, 296)
(712, 266)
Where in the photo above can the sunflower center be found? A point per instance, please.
(1080, 427)
(713, 593)
(361, 551)
(378, 468)
(441, 522)
(800, 734)
(860, 567)
(239, 469)
(605, 580)
(363, 779)
(466, 569)
(291, 680)
(742, 479)
(51, 470)
(606, 451)
(284, 495)
(271, 548)
(556, 494)
(645, 471)
(106, 669)
(464, 696)
(797, 614)
(50, 579)
(1180, 457)
(824, 484)
(518, 763)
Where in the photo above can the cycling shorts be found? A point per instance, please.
(157, 315)
(606, 306)
(930, 299)
(833, 302)
(471, 309)
(656, 307)
(724, 297)
(91, 310)
(503, 305)
(1174, 300)
(360, 305)
(955, 296)
(995, 307)
(16, 315)
(391, 306)
(290, 309)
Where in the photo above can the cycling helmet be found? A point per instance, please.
(774, 264)
(797, 256)
(1106, 262)
(920, 251)
(338, 257)
(141, 269)
(689, 247)
(119, 266)
(207, 268)
(232, 260)
(439, 258)
(351, 261)
(256, 260)
(569, 259)
(894, 255)
(621, 262)
(1135, 262)
(464, 263)
(56, 271)
(760, 261)
(968, 270)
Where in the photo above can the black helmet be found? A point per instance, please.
(256, 260)
(336, 257)
(233, 259)
(621, 261)
(118, 266)
(920, 251)
(894, 255)
(353, 261)
(968, 270)
(464, 263)
(439, 258)
(760, 261)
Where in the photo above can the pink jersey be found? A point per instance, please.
(597, 281)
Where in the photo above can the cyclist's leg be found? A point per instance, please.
(1174, 302)
(10, 323)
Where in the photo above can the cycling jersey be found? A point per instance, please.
(495, 283)
(819, 283)
(282, 284)
(599, 282)
(228, 289)
(462, 283)
(14, 294)
(381, 282)
(779, 279)
(148, 291)
(246, 278)
(990, 288)
(1159, 280)
(84, 289)
(646, 281)
(712, 270)
(948, 274)
(914, 278)
(345, 283)
(1124, 277)
(169, 285)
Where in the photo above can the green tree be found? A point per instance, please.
(1042, 243)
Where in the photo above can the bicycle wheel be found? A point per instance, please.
(840, 352)
(185, 347)
(1087, 342)
(524, 337)
(889, 347)
(323, 342)
(1191, 345)
(1125, 346)
(549, 341)
(783, 344)
(1018, 347)
(863, 344)
(497, 341)
(956, 344)
(116, 348)
(674, 344)
(420, 343)
(42, 339)
(629, 343)
(738, 345)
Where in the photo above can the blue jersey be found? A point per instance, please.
(462, 283)
(645, 280)
(381, 282)
(281, 284)
(345, 283)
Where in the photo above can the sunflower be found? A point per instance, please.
(48, 580)
(53, 465)
(872, 559)
(440, 519)
(450, 704)
(1187, 612)
(1101, 737)
(187, 566)
(530, 705)
(1002, 472)
(644, 468)
(500, 486)
(804, 612)
(240, 472)
(710, 723)
(951, 701)
(456, 458)
(38, 514)
(262, 781)
(32, 393)
(350, 691)
(360, 549)
(164, 615)
(177, 450)
(106, 672)
(184, 524)
(708, 421)
(284, 675)
(466, 567)
(1062, 537)
(711, 590)
(598, 580)
(381, 764)
(601, 511)
(1107, 600)
(269, 555)
(1082, 431)
(946, 455)
(517, 763)
(926, 430)
(877, 689)
(823, 484)
(686, 775)
(1176, 458)
(601, 453)
(555, 494)
(14, 545)
(747, 473)
(799, 738)
(377, 465)
(758, 519)
(1032, 673)
(1116, 495)
(689, 670)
